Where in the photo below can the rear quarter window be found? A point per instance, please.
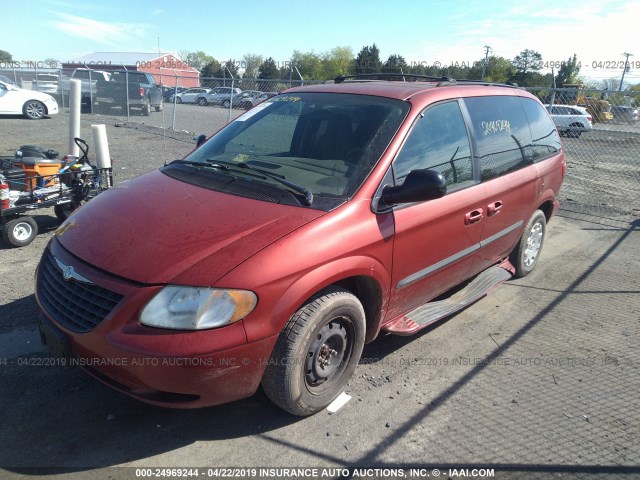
(545, 140)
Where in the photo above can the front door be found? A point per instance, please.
(436, 242)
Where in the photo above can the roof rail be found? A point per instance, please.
(389, 76)
(442, 81)
(482, 82)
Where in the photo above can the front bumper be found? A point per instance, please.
(162, 367)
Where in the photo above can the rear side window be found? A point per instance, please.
(438, 141)
(503, 137)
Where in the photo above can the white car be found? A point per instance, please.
(570, 120)
(31, 104)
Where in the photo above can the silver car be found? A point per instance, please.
(191, 95)
(220, 96)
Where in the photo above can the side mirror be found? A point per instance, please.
(200, 139)
(418, 186)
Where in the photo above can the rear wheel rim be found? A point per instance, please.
(534, 243)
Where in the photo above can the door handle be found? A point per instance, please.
(473, 216)
(494, 208)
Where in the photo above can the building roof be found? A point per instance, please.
(118, 58)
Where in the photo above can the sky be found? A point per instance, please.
(423, 32)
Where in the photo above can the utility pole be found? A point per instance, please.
(486, 60)
(626, 65)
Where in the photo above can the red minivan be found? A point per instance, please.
(321, 217)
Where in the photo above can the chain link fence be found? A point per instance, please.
(600, 128)
(601, 140)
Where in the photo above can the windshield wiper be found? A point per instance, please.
(308, 194)
(209, 164)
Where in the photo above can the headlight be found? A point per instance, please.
(192, 308)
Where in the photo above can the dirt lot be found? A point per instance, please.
(539, 379)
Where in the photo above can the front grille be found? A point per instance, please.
(77, 306)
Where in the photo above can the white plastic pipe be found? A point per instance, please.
(101, 145)
(74, 115)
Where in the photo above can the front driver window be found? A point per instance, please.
(438, 141)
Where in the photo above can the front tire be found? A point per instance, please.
(20, 231)
(226, 103)
(34, 110)
(316, 353)
(525, 256)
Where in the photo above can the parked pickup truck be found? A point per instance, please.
(89, 80)
(140, 88)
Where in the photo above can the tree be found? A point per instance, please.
(5, 56)
(197, 60)
(527, 61)
(568, 72)
(338, 61)
(229, 69)
(368, 60)
(268, 70)
(51, 62)
(395, 64)
(498, 69)
(309, 64)
(612, 84)
(527, 65)
(211, 69)
(251, 63)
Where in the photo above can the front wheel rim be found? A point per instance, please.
(328, 355)
(22, 231)
(35, 110)
(534, 243)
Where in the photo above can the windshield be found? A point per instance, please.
(325, 143)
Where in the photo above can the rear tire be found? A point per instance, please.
(525, 256)
(226, 104)
(146, 108)
(573, 131)
(316, 353)
(20, 231)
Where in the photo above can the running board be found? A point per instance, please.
(428, 313)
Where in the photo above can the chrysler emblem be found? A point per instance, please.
(69, 273)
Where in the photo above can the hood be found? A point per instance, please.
(25, 95)
(155, 229)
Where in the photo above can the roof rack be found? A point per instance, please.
(387, 76)
(482, 82)
(442, 81)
